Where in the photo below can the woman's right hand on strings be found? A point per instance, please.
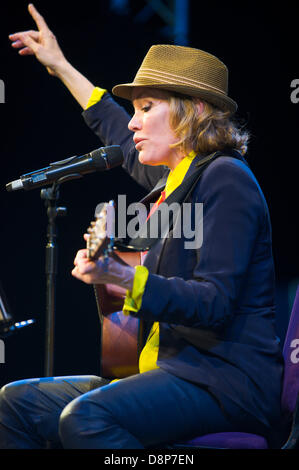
(41, 43)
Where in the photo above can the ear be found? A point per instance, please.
(199, 106)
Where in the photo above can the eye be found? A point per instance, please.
(146, 108)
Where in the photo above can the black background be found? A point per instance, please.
(42, 123)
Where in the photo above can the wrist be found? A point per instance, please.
(127, 280)
(79, 86)
(62, 68)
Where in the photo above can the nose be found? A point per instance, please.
(135, 123)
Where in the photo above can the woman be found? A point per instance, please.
(211, 362)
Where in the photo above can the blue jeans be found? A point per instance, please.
(151, 409)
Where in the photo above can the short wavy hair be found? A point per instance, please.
(205, 132)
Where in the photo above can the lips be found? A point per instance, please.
(138, 141)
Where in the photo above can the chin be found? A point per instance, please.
(144, 160)
(147, 160)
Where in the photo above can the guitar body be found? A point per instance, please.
(121, 335)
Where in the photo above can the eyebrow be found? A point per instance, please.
(141, 96)
(150, 93)
(137, 99)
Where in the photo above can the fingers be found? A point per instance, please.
(75, 272)
(18, 41)
(81, 276)
(28, 42)
(26, 51)
(17, 37)
(83, 264)
(17, 44)
(86, 271)
(39, 20)
(85, 268)
(81, 256)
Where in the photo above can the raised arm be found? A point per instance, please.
(43, 44)
(102, 117)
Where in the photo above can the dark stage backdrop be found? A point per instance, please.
(41, 123)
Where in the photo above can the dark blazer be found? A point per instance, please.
(215, 304)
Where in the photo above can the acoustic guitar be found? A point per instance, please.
(121, 335)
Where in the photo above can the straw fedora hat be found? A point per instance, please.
(184, 70)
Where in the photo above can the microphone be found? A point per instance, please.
(101, 159)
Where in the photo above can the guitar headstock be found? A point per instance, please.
(101, 232)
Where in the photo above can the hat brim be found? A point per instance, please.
(222, 101)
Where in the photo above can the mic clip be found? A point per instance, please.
(63, 162)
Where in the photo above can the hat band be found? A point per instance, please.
(174, 79)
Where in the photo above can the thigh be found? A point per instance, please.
(157, 407)
(36, 404)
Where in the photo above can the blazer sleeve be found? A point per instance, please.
(233, 214)
(109, 121)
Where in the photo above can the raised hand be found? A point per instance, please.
(41, 43)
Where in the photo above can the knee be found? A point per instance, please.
(67, 418)
(71, 422)
(12, 393)
(79, 421)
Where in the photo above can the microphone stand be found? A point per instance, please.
(97, 159)
(51, 196)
